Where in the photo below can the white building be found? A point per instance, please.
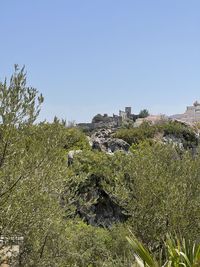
(191, 115)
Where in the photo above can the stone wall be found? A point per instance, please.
(9, 251)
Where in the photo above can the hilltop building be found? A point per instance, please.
(126, 114)
(191, 115)
(106, 121)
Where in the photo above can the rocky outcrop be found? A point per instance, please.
(96, 207)
(102, 140)
(115, 144)
(175, 141)
(186, 141)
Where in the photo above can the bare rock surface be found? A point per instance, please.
(103, 140)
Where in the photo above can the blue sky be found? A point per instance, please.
(97, 56)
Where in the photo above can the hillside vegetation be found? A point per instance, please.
(80, 215)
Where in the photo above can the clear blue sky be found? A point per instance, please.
(97, 56)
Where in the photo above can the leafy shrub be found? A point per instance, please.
(136, 135)
(147, 131)
(143, 113)
(74, 138)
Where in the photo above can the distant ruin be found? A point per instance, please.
(127, 114)
(106, 121)
(190, 116)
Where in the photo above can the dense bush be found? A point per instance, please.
(138, 134)
(147, 131)
(159, 191)
(143, 113)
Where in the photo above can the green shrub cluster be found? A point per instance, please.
(147, 131)
(38, 191)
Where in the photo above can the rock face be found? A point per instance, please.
(102, 140)
(183, 142)
(175, 141)
(115, 144)
(95, 205)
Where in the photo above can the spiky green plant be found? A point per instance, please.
(180, 252)
(142, 255)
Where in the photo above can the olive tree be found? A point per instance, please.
(32, 169)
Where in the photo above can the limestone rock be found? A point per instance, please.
(115, 144)
(102, 140)
(175, 141)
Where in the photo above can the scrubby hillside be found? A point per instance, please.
(73, 198)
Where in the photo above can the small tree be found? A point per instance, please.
(18, 102)
(143, 113)
(32, 170)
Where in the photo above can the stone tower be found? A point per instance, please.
(128, 111)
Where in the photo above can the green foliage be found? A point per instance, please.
(75, 139)
(33, 175)
(136, 135)
(178, 252)
(143, 113)
(159, 190)
(182, 252)
(127, 124)
(29, 194)
(18, 103)
(96, 247)
(179, 130)
(142, 256)
(147, 131)
(166, 189)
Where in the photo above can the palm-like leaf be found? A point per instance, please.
(142, 255)
(180, 253)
